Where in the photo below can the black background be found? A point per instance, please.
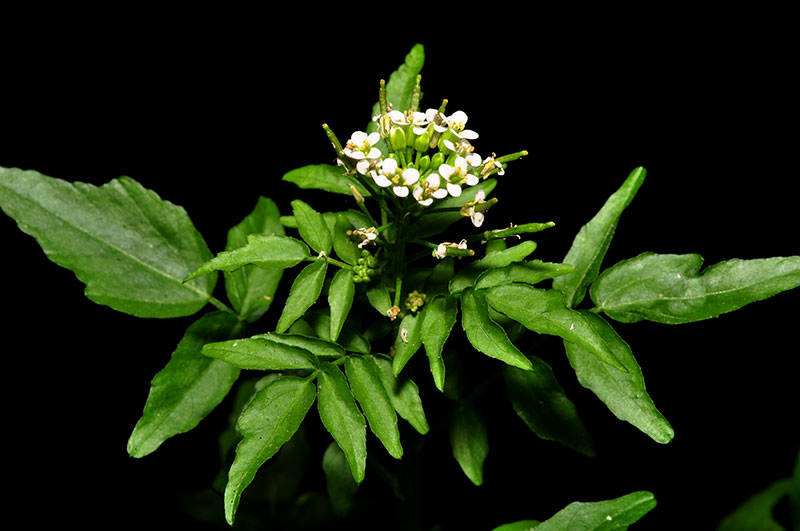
(212, 113)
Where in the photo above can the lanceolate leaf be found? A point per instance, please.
(339, 481)
(318, 347)
(439, 316)
(401, 83)
(522, 525)
(312, 227)
(368, 388)
(304, 292)
(404, 395)
(319, 322)
(540, 401)
(260, 354)
(669, 288)
(530, 272)
(543, 311)
(486, 335)
(267, 423)
(325, 177)
(340, 299)
(269, 251)
(466, 278)
(407, 342)
(469, 441)
(187, 388)
(131, 248)
(604, 515)
(592, 241)
(251, 288)
(345, 247)
(341, 417)
(378, 296)
(623, 392)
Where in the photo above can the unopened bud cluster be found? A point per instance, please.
(365, 268)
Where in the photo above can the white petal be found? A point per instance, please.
(420, 130)
(480, 195)
(441, 193)
(472, 180)
(477, 218)
(417, 193)
(430, 114)
(441, 251)
(454, 189)
(357, 155)
(410, 176)
(445, 170)
(433, 180)
(381, 180)
(363, 166)
(398, 117)
(389, 166)
(400, 191)
(461, 164)
(457, 119)
(374, 153)
(474, 160)
(440, 128)
(468, 134)
(449, 145)
(425, 202)
(358, 137)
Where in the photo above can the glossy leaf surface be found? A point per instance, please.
(408, 340)
(466, 278)
(325, 177)
(543, 311)
(188, 388)
(671, 289)
(340, 299)
(312, 227)
(604, 515)
(530, 272)
(260, 354)
(304, 292)
(341, 417)
(592, 241)
(267, 422)
(486, 335)
(252, 288)
(403, 394)
(367, 386)
(131, 248)
(269, 251)
(439, 317)
(623, 392)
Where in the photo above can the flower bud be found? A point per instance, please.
(424, 163)
(422, 141)
(437, 160)
(398, 139)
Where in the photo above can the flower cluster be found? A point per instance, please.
(425, 156)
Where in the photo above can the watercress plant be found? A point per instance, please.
(371, 287)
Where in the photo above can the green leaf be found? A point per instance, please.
(251, 288)
(522, 525)
(669, 288)
(340, 298)
(264, 250)
(267, 423)
(345, 248)
(325, 177)
(439, 280)
(321, 348)
(755, 514)
(401, 83)
(434, 224)
(349, 338)
(469, 441)
(486, 335)
(368, 388)
(341, 417)
(312, 227)
(601, 516)
(544, 312)
(407, 341)
(540, 401)
(623, 392)
(338, 480)
(466, 278)
(131, 248)
(260, 354)
(187, 388)
(378, 296)
(592, 241)
(404, 395)
(439, 316)
(304, 292)
(530, 272)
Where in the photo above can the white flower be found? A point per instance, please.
(457, 123)
(441, 249)
(409, 177)
(440, 126)
(386, 173)
(489, 163)
(361, 146)
(469, 209)
(367, 235)
(456, 175)
(430, 190)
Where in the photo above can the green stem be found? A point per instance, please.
(398, 290)
(218, 304)
(425, 243)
